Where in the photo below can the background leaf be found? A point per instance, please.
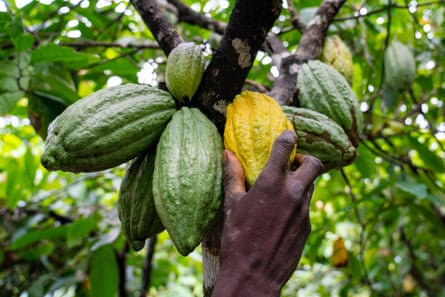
(104, 272)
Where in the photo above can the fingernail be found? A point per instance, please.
(225, 156)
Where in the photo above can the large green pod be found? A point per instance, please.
(187, 179)
(107, 128)
(135, 205)
(400, 66)
(321, 137)
(324, 89)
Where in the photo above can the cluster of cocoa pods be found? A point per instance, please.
(174, 178)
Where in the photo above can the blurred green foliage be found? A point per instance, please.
(59, 232)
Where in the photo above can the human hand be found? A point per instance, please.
(265, 229)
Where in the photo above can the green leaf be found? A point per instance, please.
(365, 162)
(306, 14)
(416, 189)
(8, 85)
(79, 230)
(121, 67)
(435, 199)
(54, 81)
(431, 217)
(354, 266)
(55, 53)
(42, 110)
(34, 236)
(23, 42)
(430, 159)
(104, 274)
(30, 168)
(9, 68)
(9, 100)
(15, 27)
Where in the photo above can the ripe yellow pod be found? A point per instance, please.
(253, 122)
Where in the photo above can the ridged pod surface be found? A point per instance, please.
(324, 89)
(321, 137)
(187, 180)
(400, 66)
(184, 70)
(136, 208)
(107, 128)
(337, 54)
(253, 122)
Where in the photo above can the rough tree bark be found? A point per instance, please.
(284, 89)
(160, 27)
(248, 30)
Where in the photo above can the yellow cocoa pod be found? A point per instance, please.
(253, 122)
(337, 54)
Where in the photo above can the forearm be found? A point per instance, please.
(231, 282)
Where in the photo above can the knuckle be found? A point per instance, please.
(314, 163)
(287, 138)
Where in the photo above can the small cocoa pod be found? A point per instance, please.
(184, 70)
(400, 66)
(337, 54)
(324, 89)
(321, 137)
(135, 204)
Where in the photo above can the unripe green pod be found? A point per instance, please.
(135, 205)
(337, 54)
(187, 179)
(107, 128)
(324, 89)
(184, 70)
(321, 137)
(400, 66)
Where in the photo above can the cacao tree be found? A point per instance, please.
(378, 224)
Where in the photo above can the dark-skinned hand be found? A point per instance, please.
(265, 229)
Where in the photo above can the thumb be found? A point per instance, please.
(234, 178)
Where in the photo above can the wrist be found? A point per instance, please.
(236, 282)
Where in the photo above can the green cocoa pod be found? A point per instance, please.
(400, 66)
(187, 179)
(337, 54)
(324, 89)
(107, 128)
(184, 70)
(135, 205)
(321, 137)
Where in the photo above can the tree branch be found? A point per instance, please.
(285, 87)
(273, 45)
(415, 271)
(160, 27)
(146, 278)
(121, 259)
(93, 43)
(296, 21)
(188, 15)
(246, 31)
